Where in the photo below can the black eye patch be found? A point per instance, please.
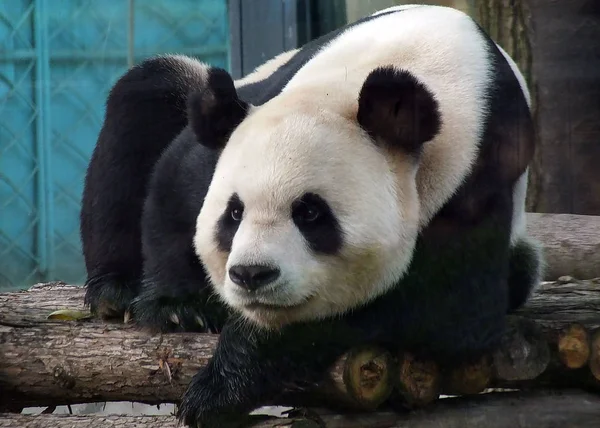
(313, 216)
(229, 223)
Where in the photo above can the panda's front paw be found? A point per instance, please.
(109, 296)
(168, 314)
(209, 402)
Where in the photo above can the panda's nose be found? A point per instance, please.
(252, 277)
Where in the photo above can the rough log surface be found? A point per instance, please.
(88, 361)
(571, 243)
(555, 305)
(66, 362)
(527, 410)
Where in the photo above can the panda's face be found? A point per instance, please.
(305, 217)
(313, 208)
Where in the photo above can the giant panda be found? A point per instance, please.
(368, 187)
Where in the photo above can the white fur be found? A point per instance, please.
(307, 140)
(266, 69)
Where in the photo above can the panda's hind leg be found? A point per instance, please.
(145, 111)
(525, 271)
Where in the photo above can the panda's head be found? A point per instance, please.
(313, 208)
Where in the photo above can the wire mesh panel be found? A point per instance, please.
(58, 58)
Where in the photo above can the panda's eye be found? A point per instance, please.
(236, 213)
(309, 213)
(305, 211)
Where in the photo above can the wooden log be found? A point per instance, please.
(536, 409)
(571, 243)
(46, 362)
(66, 362)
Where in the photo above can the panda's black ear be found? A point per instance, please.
(215, 110)
(397, 110)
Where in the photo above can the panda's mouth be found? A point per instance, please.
(275, 300)
(258, 306)
(261, 305)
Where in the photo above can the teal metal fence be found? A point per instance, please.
(58, 58)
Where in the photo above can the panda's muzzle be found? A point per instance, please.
(253, 277)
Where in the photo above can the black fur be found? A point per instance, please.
(253, 277)
(323, 232)
(397, 110)
(525, 263)
(215, 110)
(509, 129)
(450, 306)
(176, 295)
(227, 226)
(145, 111)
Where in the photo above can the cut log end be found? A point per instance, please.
(524, 353)
(418, 382)
(366, 376)
(574, 346)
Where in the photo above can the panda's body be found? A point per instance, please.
(368, 187)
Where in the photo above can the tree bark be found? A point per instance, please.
(506, 22)
(555, 45)
(46, 362)
(571, 243)
(565, 39)
(538, 409)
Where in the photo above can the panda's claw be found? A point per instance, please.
(166, 315)
(109, 297)
(169, 314)
(174, 318)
